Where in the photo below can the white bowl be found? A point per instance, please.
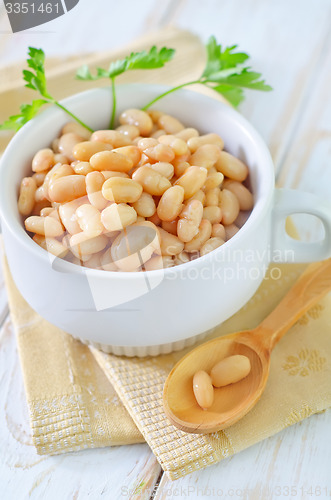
(140, 314)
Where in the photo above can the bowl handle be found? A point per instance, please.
(286, 249)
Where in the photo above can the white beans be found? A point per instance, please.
(83, 168)
(213, 181)
(26, 199)
(89, 220)
(43, 160)
(170, 204)
(230, 370)
(111, 160)
(205, 156)
(39, 178)
(212, 197)
(45, 226)
(67, 212)
(118, 216)
(230, 207)
(203, 235)
(145, 205)
(135, 246)
(129, 131)
(190, 219)
(187, 133)
(194, 142)
(94, 182)
(149, 195)
(67, 188)
(84, 245)
(218, 231)
(152, 181)
(107, 262)
(158, 262)
(52, 245)
(83, 151)
(66, 144)
(138, 118)
(213, 214)
(192, 180)
(243, 194)
(170, 124)
(231, 167)
(121, 190)
(164, 168)
(160, 152)
(203, 389)
(211, 245)
(170, 244)
(76, 128)
(178, 146)
(112, 137)
(230, 231)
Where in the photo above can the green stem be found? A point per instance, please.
(73, 116)
(169, 92)
(113, 113)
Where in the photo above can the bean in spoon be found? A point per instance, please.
(234, 401)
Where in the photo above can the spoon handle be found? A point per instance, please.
(312, 285)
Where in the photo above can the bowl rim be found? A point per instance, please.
(70, 268)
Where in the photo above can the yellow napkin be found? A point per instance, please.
(73, 406)
(299, 384)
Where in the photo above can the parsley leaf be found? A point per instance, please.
(225, 69)
(149, 60)
(234, 95)
(218, 60)
(248, 79)
(28, 111)
(35, 79)
(83, 73)
(225, 73)
(152, 59)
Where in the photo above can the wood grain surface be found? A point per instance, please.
(290, 44)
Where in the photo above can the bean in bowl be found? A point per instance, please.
(151, 194)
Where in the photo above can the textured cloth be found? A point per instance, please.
(299, 384)
(73, 406)
(71, 403)
(70, 388)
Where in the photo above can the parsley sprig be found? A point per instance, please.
(136, 60)
(226, 73)
(35, 79)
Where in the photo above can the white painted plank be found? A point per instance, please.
(288, 465)
(275, 33)
(3, 294)
(307, 164)
(299, 457)
(111, 472)
(89, 27)
(125, 471)
(285, 40)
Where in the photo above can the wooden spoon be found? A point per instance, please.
(233, 401)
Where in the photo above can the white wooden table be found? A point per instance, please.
(290, 42)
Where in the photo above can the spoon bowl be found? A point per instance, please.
(234, 401)
(229, 401)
